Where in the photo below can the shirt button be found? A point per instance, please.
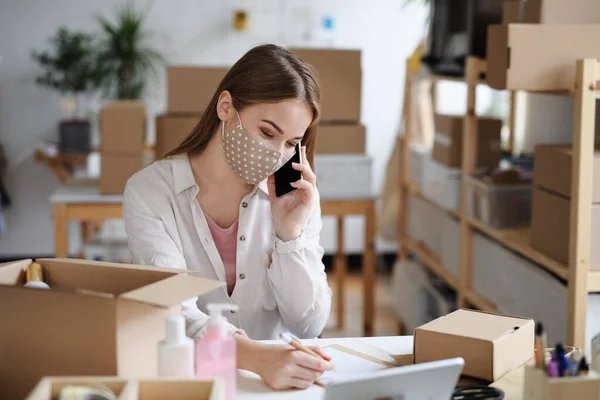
(244, 204)
(242, 276)
(242, 238)
(232, 311)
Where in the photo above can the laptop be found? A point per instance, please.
(427, 381)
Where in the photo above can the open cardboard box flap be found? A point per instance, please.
(164, 287)
(172, 291)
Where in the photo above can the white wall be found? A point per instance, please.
(190, 32)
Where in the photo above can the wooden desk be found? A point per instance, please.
(86, 204)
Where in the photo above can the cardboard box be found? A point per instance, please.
(171, 130)
(519, 56)
(491, 344)
(539, 387)
(123, 126)
(116, 169)
(97, 319)
(447, 147)
(190, 89)
(344, 176)
(131, 389)
(340, 76)
(341, 139)
(550, 227)
(552, 12)
(553, 167)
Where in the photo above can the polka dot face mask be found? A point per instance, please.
(253, 160)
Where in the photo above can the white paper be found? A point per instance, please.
(347, 366)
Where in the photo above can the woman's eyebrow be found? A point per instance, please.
(278, 129)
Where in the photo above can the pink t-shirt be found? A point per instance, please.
(226, 242)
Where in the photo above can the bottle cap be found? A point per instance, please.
(175, 329)
(35, 272)
(217, 321)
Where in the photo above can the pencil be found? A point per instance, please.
(295, 343)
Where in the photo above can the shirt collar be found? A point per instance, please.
(183, 177)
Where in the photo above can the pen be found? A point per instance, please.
(295, 343)
(552, 368)
(584, 368)
(575, 363)
(561, 360)
(540, 343)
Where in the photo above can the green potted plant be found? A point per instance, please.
(69, 67)
(125, 57)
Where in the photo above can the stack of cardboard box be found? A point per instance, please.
(343, 169)
(123, 131)
(189, 91)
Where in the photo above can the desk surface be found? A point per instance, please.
(250, 386)
(91, 194)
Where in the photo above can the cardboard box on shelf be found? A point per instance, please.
(447, 148)
(519, 58)
(340, 139)
(552, 12)
(135, 389)
(190, 89)
(171, 130)
(340, 76)
(97, 319)
(123, 126)
(553, 167)
(550, 226)
(343, 176)
(491, 344)
(116, 169)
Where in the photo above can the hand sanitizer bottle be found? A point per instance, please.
(176, 352)
(216, 351)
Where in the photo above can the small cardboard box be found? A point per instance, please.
(97, 319)
(550, 226)
(171, 130)
(538, 386)
(519, 57)
(340, 76)
(190, 89)
(341, 139)
(135, 389)
(447, 147)
(123, 126)
(553, 167)
(552, 12)
(116, 169)
(491, 344)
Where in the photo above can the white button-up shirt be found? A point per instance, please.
(280, 286)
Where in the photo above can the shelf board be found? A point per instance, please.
(480, 302)
(594, 282)
(518, 241)
(431, 262)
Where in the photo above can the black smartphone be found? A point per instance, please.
(287, 174)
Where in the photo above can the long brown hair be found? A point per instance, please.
(265, 74)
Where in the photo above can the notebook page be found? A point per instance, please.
(347, 365)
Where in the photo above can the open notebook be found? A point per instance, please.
(349, 363)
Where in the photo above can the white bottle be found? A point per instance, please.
(35, 277)
(176, 352)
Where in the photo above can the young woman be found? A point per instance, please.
(210, 206)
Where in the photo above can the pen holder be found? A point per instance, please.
(538, 386)
(569, 350)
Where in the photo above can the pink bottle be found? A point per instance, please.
(216, 351)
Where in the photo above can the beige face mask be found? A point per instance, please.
(253, 160)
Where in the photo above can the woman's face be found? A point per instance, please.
(280, 125)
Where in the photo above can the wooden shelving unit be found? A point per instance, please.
(577, 276)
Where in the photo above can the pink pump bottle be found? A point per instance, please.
(216, 351)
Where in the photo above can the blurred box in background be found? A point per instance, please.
(123, 126)
(551, 11)
(171, 130)
(190, 89)
(341, 139)
(116, 169)
(340, 76)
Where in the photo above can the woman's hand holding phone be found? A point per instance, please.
(291, 211)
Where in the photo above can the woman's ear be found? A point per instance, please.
(225, 106)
